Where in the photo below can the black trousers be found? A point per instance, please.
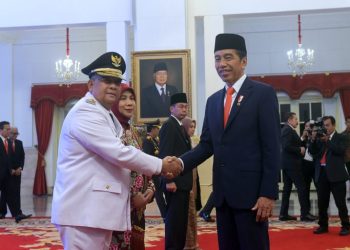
(176, 219)
(296, 177)
(10, 195)
(338, 189)
(209, 205)
(159, 195)
(238, 230)
(308, 172)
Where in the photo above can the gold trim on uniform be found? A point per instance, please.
(91, 101)
(108, 72)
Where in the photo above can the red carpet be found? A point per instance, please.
(39, 233)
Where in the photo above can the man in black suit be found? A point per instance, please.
(150, 145)
(155, 99)
(175, 141)
(242, 130)
(328, 148)
(5, 162)
(8, 173)
(292, 155)
(14, 180)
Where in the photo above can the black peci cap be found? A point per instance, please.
(229, 41)
(178, 97)
(160, 66)
(109, 64)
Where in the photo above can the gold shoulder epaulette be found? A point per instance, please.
(91, 101)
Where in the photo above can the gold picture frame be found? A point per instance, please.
(178, 75)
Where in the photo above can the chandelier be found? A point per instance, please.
(67, 70)
(300, 59)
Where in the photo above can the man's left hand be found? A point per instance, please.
(263, 208)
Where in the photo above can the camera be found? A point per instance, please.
(318, 126)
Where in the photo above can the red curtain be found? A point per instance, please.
(43, 120)
(345, 101)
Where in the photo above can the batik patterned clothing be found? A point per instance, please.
(134, 239)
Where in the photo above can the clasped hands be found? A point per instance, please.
(171, 167)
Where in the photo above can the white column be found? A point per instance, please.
(213, 25)
(117, 40)
(6, 83)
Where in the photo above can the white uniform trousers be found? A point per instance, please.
(84, 238)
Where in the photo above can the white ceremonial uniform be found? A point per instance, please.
(93, 170)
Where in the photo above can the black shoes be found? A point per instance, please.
(206, 217)
(344, 231)
(20, 217)
(308, 218)
(321, 230)
(287, 218)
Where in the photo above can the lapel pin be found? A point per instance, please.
(240, 99)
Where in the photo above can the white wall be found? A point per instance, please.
(224, 7)
(19, 13)
(6, 84)
(160, 25)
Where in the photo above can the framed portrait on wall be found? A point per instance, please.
(156, 76)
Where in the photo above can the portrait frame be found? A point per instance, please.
(179, 75)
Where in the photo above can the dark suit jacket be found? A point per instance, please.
(173, 142)
(291, 143)
(152, 104)
(247, 151)
(6, 161)
(18, 155)
(335, 165)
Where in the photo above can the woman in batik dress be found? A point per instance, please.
(141, 187)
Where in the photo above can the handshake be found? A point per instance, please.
(171, 167)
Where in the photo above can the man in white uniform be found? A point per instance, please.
(91, 193)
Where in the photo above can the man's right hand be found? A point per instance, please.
(171, 167)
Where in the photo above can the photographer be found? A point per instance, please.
(328, 148)
(308, 165)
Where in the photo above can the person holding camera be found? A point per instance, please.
(328, 148)
(308, 163)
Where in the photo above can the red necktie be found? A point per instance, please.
(323, 160)
(229, 93)
(6, 146)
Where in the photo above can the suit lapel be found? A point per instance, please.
(220, 108)
(180, 131)
(240, 101)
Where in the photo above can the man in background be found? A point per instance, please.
(175, 141)
(9, 175)
(155, 99)
(328, 148)
(293, 151)
(308, 165)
